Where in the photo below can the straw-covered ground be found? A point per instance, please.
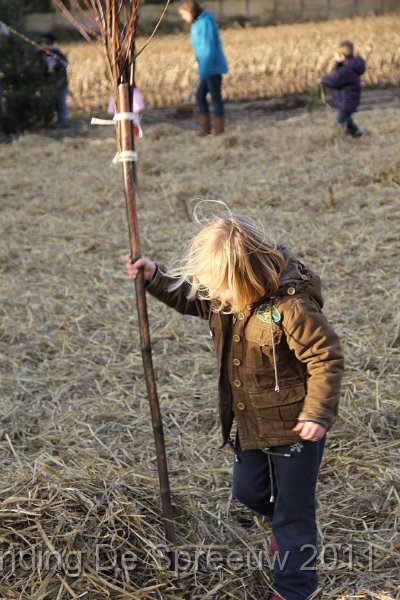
(263, 61)
(79, 511)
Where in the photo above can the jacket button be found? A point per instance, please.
(236, 361)
(237, 383)
(240, 316)
(291, 291)
(304, 277)
(236, 338)
(240, 406)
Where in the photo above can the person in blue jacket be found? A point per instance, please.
(212, 64)
(345, 81)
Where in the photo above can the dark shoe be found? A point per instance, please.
(353, 132)
(219, 125)
(204, 125)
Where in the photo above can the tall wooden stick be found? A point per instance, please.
(114, 22)
(127, 143)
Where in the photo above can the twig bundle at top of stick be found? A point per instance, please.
(113, 22)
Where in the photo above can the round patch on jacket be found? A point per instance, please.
(263, 313)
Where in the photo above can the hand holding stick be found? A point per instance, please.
(148, 266)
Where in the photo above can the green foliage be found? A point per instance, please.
(39, 5)
(317, 98)
(27, 98)
(11, 12)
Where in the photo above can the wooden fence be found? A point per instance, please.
(278, 11)
(259, 11)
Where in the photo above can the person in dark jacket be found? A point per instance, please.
(212, 64)
(56, 68)
(345, 82)
(279, 366)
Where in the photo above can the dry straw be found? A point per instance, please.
(76, 448)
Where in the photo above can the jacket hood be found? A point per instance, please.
(296, 275)
(356, 63)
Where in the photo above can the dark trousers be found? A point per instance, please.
(212, 85)
(344, 117)
(292, 514)
(62, 107)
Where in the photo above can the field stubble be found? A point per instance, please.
(263, 61)
(77, 457)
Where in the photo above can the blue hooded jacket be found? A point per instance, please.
(206, 43)
(345, 82)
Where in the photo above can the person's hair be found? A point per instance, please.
(191, 6)
(346, 47)
(234, 253)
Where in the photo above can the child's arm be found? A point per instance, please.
(206, 47)
(158, 284)
(308, 430)
(315, 343)
(337, 79)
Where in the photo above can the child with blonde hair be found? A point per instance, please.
(345, 82)
(280, 366)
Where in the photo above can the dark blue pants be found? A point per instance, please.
(211, 85)
(344, 117)
(292, 514)
(62, 107)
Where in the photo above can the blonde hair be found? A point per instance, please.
(346, 47)
(235, 254)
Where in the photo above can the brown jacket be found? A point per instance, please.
(271, 374)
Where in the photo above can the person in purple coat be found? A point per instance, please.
(345, 82)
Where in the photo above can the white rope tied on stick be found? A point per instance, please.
(126, 116)
(123, 116)
(125, 155)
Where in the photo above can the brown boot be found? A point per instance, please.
(219, 125)
(204, 125)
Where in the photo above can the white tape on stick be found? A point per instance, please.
(124, 116)
(125, 156)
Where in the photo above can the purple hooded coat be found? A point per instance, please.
(345, 82)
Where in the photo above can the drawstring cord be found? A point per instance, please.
(271, 472)
(268, 452)
(271, 478)
(273, 345)
(231, 442)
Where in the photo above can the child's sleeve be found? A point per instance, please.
(313, 340)
(206, 47)
(337, 79)
(159, 287)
